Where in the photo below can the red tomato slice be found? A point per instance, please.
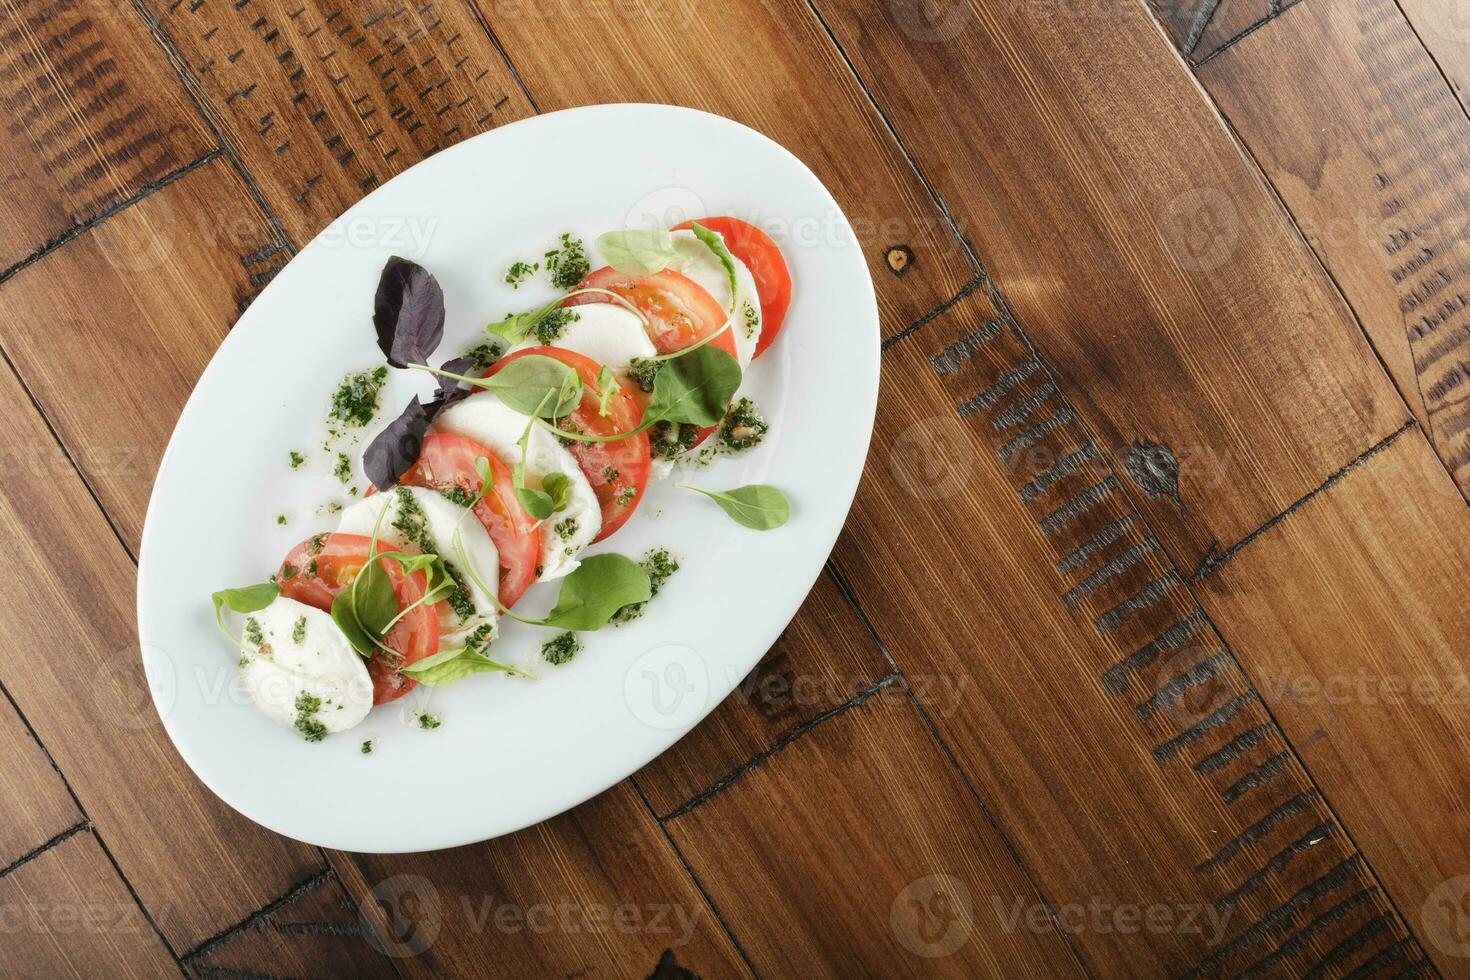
(323, 566)
(618, 471)
(680, 310)
(449, 461)
(763, 257)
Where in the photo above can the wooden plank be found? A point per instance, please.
(1381, 193)
(47, 808)
(1202, 29)
(648, 55)
(182, 849)
(146, 295)
(324, 101)
(787, 852)
(824, 658)
(1111, 706)
(93, 115)
(597, 891)
(1444, 29)
(1164, 282)
(1351, 616)
(314, 930)
(68, 915)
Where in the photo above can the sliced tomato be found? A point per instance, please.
(680, 310)
(321, 567)
(449, 461)
(618, 471)
(763, 258)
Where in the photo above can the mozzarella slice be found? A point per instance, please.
(699, 262)
(489, 421)
(421, 521)
(607, 333)
(298, 668)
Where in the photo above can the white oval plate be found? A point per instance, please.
(510, 752)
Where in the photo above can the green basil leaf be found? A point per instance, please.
(346, 620)
(449, 666)
(246, 599)
(716, 244)
(599, 587)
(756, 506)
(638, 251)
(364, 611)
(373, 598)
(607, 386)
(558, 487)
(694, 388)
(537, 503)
(537, 385)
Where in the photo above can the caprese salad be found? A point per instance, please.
(536, 443)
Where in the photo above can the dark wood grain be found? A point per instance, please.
(1202, 29)
(313, 930)
(1160, 277)
(1107, 702)
(859, 851)
(28, 776)
(67, 914)
(647, 55)
(1351, 617)
(147, 295)
(92, 116)
(324, 101)
(1444, 30)
(824, 658)
(1382, 194)
(1132, 506)
(195, 863)
(598, 891)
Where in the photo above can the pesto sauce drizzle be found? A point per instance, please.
(411, 522)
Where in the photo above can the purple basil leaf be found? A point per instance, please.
(408, 313)
(452, 390)
(397, 447)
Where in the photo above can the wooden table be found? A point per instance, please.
(1144, 651)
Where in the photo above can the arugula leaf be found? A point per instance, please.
(516, 327)
(638, 251)
(365, 611)
(599, 587)
(408, 312)
(244, 600)
(558, 487)
(346, 620)
(695, 388)
(716, 244)
(449, 666)
(607, 386)
(536, 503)
(755, 506)
(532, 385)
